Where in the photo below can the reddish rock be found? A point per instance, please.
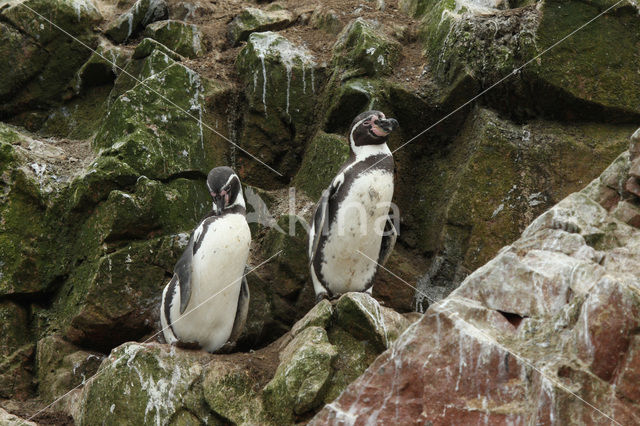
(628, 381)
(633, 186)
(543, 334)
(628, 213)
(634, 147)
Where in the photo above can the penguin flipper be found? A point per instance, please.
(241, 312)
(388, 241)
(321, 215)
(183, 271)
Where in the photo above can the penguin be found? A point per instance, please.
(206, 302)
(351, 223)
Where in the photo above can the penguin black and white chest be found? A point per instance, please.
(352, 231)
(206, 302)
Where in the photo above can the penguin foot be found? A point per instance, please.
(321, 296)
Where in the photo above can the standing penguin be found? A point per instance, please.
(207, 300)
(351, 224)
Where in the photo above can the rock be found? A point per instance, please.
(182, 38)
(324, 155)
(232, 392)
(62, 366)
(156, 137)
(9, 419)
(627, 213)
(16, 373)
(280, 384)
(364, 48)
(304, 372)
(319, 316)
(141, 14)
(252, 20)
(540, 332)
(632, 185)
(16, 351)
(102, 67)
(145, 384)
(38, 77)
(494, 181)
(147, 47)
(365, 319)
(326, 20)
(281, 81)
(634, 146)
(114, 298)
(479, 39)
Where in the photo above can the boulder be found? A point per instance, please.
(16, 352)
(324, 156)
(281, 82)
(302, 376)
(542, 333)
(486, 42)
(141, 14)
(252, 20)
(184, 39)
(35, 76)
(494, 179)
(9, 419)
(157, 126)
(61, 366)
(363, 48)
(282, 383)
(144, 384)
(327, 20)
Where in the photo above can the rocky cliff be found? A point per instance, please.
(112, 113)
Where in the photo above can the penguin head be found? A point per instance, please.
(371, 128)
(224, 186)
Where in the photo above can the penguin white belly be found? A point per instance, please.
(358, 227)
(217, 269)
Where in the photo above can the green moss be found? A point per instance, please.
(301, 377)
(252, 20)
(142, 13)
(231, 392)
(281, 81)
(154, 137)
(362, 46)
(144, 385)
(354, 356)
(321, 161)
(583, 65)
(184, 39)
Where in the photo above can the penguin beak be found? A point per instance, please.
(384, 126)
(218, 201)
(388, 125)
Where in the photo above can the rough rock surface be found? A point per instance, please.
(282, 383)
(253, 20)
(545, 332)
(103, 157)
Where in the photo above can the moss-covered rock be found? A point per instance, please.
(145, 384)
(40, 75)
(232, 392)
(363, 48)
(16, 351)
(157, 127)
(178, 36)
(467, 38)
(325, 19)
(102, 67)
(141, 14)
(61, 366)
(281, 81)
(494, 180)
(252, 20)
(321, 161)
(365, 319)
(301, 378)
